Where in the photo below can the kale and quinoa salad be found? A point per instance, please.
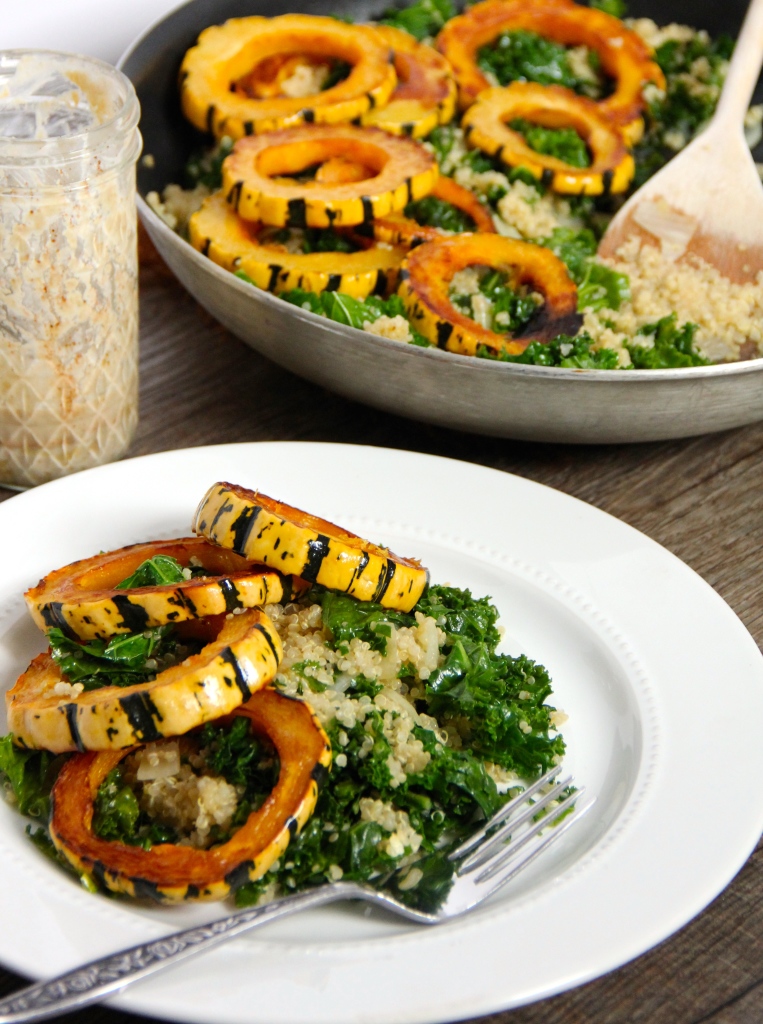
(414, 728)
(642, 309)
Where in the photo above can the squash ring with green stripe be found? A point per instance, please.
(427, 273)
(624, 56)
(397, 229)
(425, 96)
(232, 242)
(243, 658)
(283, 537)
(169, 873)
(82, 600)
(212, 70)
(258, 176)
(486, 127)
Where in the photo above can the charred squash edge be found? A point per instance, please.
(272, 532)
(612, 167)
(407, 171)
(225, 53)
(220, 234)
(172, 874)
(80, 598)
(428, 270)
(243, 658)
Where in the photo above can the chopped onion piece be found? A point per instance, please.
(158, 761)
(673, 228)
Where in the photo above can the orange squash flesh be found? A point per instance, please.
(82, 599)
(214, 72)
(254, 173)
(624, 56)
(169, 873)
(429, 269)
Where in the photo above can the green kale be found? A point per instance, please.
(523, 56)
(242, 759)
(29, 775)
(118, 818)
(437, 213)
(442, 139)
(673, 346)
(574, 249)
(326, 240)
(205, 167)
(340, 69)
(563, 143)
(344, 309)
(120, 661)
(347, 619)
(565, 351)
(517, 308)
(422, 19)
(602, 288)
(156, 571)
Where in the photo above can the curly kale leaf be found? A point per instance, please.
(673, 346)
(157, 571)
(437, 213)
(563, 143)
(523, 56)
(565, 351)
(602, 288)
(422, 19)
(29, 774)
(205, 167)
(344, 309)
(120, 661)
(117, 816)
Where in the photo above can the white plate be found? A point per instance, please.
(663, 685)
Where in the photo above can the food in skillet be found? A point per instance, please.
(269, 704)
(546, 113)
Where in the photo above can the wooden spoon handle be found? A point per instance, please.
(743, 71)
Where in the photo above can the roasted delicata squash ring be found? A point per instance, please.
(425, 95)
(269, 531)
(231, 242)
(428, 270)
(170, 873)
(624, 56)
(81, 598)
(226, 54)
(402, 170)
(243, 658)
(486, 128)
(396, 229)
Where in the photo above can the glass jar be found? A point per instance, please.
(68, 265)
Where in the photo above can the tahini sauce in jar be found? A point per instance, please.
(68, 265)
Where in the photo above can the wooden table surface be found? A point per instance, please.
(701, 498)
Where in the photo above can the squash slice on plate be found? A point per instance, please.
(259, 177)
(214, 71)
(486, 128)
(84, 601)
(269, 531)
(233, 243)
(171, 873)
(45, 715)
(428, 270)
(624, 56)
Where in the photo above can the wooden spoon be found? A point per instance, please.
(709, 199)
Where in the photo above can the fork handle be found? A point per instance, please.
(743, 71)
(104, 977)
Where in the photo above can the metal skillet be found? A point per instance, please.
(460, 392)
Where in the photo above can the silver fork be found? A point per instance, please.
(491, 857)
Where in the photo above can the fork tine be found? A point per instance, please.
(497, 839)
(502, 857)
(502, 814)
(517, 864)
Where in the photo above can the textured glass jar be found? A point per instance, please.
(68, 265)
